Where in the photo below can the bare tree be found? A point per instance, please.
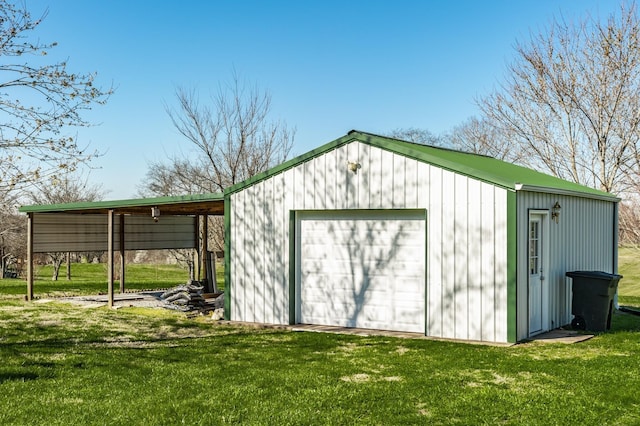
(176, 177)
(64, 189)
(38, 103)
(185, 258)
(629, 223)
(421, 136)
(571, 101)
(232, 138)
(67, 188)
(12, 237)
(480, 136)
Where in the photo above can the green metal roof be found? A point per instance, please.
(487, 169)
(176, 205)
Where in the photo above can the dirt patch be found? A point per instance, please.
(147, 299)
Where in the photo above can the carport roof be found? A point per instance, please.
(200, 204)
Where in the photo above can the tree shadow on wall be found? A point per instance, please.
(368, 253)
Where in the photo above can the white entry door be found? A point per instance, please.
(537, 264)
(362, 269)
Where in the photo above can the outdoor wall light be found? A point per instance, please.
(353, 166)
(155, 213)
(555, 212)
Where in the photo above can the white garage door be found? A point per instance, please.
(362, 269)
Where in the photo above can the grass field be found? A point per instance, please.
(629, 268)
(91, 278)
(62, 364)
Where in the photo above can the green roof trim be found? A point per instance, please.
(487, 169)
(121, 204)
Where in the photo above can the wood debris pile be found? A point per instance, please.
(186, 297)
(191, 297)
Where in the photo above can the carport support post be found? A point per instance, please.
(110, 217)
(196, 273)
(205, 246)
(30, 256)
(121, 253)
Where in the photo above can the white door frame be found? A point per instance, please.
(541, 298)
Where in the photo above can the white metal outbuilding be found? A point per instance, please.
(373, 232)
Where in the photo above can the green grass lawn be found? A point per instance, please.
(64, 365)
(91, 278)
(629, 268)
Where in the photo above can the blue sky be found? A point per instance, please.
(330, 66)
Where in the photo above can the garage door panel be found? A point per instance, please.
(404, 299)
(362, 269)
(375, 314)
(409, 286)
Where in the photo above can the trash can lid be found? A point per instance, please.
(593, 274)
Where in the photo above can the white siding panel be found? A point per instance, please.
(239, 274)
(309, 184)
(461, 253)
(448, 224)
(273, 248)
(250, 254)
(353, 179)
(330, 179)
(364, 174)
(411, 184)
(285, 241)
(343, 180)
(387, 179)
(488, 261)
(398, 189)
(320, 183)
(259, 236)
(299, 190)
(435, 308)
(423, 182)
(474, 256)
(376, 178)
(500, 271)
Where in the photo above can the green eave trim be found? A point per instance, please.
(487, 169)
(512, 268)
(120, 204)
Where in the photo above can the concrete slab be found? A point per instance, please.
(561, 336)
(388, 333)
(554, 336)
(143, 299)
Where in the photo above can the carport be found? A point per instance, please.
(179, 222)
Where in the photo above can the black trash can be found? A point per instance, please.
(592, 301)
